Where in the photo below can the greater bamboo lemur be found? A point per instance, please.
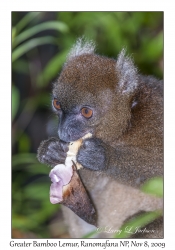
(123, 110)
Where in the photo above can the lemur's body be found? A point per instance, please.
(124, 112)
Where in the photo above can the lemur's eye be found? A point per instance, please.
(86, 112)
(56, 104)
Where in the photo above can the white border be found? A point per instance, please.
(5, 95)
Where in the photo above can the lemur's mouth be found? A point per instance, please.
(69, 137)
(83, 135)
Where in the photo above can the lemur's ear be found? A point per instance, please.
(81, 47)
(128, 79)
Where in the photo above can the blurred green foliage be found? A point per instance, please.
(40, 43)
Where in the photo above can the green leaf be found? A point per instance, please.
(13, 33)
(154, 186)
(15, 101)
(56, 25)
(26, 20)
(25, 47)
(130, 227)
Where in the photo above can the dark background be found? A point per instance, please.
(40, 43)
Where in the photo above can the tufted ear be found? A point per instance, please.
(81, 47)
(128, 79)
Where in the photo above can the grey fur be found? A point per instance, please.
(128, 80)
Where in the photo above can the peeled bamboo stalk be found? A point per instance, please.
(73, 193)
